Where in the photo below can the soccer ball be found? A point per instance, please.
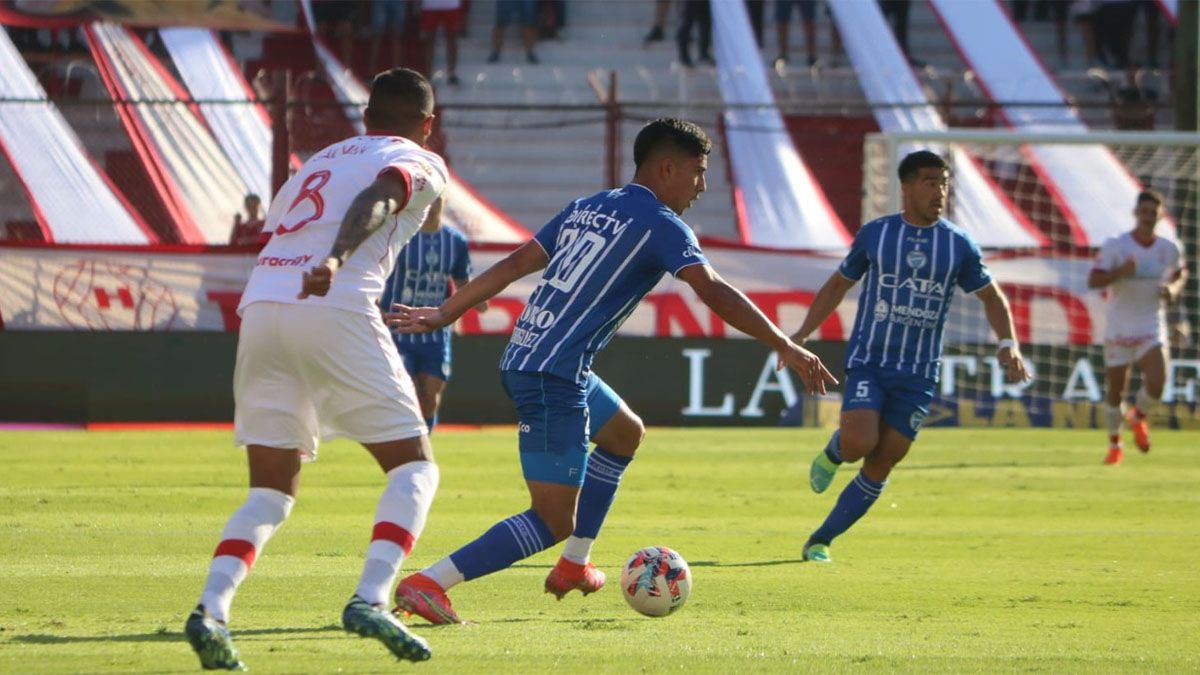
(656, 581)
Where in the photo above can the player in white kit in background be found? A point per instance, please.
(315, 361)
(1140, 271)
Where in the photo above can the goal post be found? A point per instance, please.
(1070, 191)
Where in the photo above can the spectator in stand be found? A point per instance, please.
(1114, 31)
(783, 25)
(1135, 104)
(661, 7)
(1042, 10)
(248, 231)
(695, 12)
(387, 25)
(1150, 12)
(525, 14)
(756, 8)
(552, 16)
(896, 12)
(335, 22)
(446, 14)
(1084, 13)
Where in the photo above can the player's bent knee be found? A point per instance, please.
(634, 433)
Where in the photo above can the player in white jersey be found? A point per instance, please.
(315, 361)
(1140, 271)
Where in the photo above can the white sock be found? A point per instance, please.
(242, 540)
(399, 520)
(445, 573)
(1143, 400)
(578, 549)
(1114, 415)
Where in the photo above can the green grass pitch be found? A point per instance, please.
(991, 550)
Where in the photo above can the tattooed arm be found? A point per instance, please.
(367, 213)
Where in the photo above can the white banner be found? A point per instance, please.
(784, 205)
(94, 289)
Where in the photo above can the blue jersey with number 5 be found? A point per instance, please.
(911, 273)
(606, 252)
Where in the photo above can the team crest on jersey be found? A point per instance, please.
(916, 259)
(419, 183)
(881, 309)
(431, 257)
(916, 420)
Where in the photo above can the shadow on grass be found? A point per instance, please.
(978, 465)
(703, 563)
(756, 563)
(159, 636)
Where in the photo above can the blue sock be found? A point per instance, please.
(833, 450)
(600, 482)
(851, 505)
(431, 422)
(508, 541)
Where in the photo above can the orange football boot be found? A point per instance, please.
(1140, 428)
(568, 576)
(420, 595)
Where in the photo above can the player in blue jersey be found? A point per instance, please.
(435, 256)
(912, 260)
(602, 254)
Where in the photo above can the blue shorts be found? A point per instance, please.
(431, 358)
(901, 399)
(557, 418)
(524, 11)
(783, 9)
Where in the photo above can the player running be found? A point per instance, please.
(912, 261)
(602, 255)
(315, 361)
(1140, 270)
(435, 256)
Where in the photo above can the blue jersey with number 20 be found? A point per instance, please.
(606, 252)
(911, 273)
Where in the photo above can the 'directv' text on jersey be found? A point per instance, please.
(606, 253)
(910, 275)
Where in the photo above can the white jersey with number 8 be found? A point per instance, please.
(307, 212)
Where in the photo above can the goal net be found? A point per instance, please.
(1069, 192)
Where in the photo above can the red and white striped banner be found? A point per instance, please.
(197, 289)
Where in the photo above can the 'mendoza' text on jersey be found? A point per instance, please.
(911, 272)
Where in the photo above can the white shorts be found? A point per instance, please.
(1124, 351)
(306, 373)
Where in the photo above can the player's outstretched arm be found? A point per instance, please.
(736, 310)
(999, 316)
(531, 257)
(828, 298)
(367, 213)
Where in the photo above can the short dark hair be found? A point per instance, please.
(1151, 196)
(913, 162)
(400, 97)
(670, 133)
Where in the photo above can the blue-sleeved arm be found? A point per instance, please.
(856, 263)
(547, 237)
(973, 274)
(675, 246)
